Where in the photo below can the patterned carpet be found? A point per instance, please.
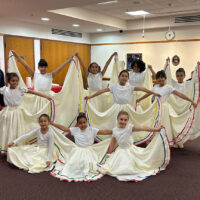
(180, 181)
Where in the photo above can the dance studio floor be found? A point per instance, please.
(181, 181)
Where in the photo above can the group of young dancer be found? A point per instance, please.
(84, 159)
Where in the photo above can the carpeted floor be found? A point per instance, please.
(181, 181)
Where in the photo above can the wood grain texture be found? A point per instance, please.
(56, 52)
(24, 47)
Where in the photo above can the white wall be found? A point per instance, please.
(2, 58)
(37, 53)
(153, 53)
(190, 32)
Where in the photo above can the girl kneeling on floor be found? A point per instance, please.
(36, 157)
(129, 162)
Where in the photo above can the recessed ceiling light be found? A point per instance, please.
(99, 29)
(107, 2)
(45, 19)
(76, 25)
(139, 12)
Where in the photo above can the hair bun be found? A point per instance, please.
(81, 114)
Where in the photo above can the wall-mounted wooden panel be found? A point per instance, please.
(56, 52)
(24, 47)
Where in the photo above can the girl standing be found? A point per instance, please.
(137, 74)
(139, 77)
(120, 91)
(12, 116)
(42, 80)
(122, 94)
(94, 74)
(180, 85)
(165, 90)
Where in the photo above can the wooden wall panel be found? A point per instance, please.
(56, 52)
(24, 47)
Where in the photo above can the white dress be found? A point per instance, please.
(42, 82)
(164, 91)
(166, 109)
(11, 117)
(121, 94)
(94, 81)
(122, 99)
(79, 162)
(136, 78)
(131, 163)
(143, 79)
(33, 157)
(181, 87)
(102, 102)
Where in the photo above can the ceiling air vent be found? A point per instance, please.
(66, 33)
(186, 19)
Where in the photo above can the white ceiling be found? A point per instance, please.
(90, 15)
(157, 8)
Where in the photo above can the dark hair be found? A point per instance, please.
(80, 116)
(161, 74)
(140, 64)
(44, 115)
(89, 68)
(9, 76)
(122, 112)
(180, 70)
(126, 71)
(43, 62)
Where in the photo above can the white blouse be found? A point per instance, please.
(136, 78)
(42, 82)
(94, 81)
(13, 97)
(43, 140)
(84, 137)
(123, 135)
(164, 91)
(121, 94)
(181, 87)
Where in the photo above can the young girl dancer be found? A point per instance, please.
(94, 74)
(131, 163)
(122, 92)
(12, 116)
(180, 85)
(80, 160)
(165, 90)
(137, 74)
(36, 157)
(42, 80)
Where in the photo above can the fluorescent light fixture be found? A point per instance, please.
(76, 25)
(139, 12)
(99, 29)
(45, 19)
(107, 2)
